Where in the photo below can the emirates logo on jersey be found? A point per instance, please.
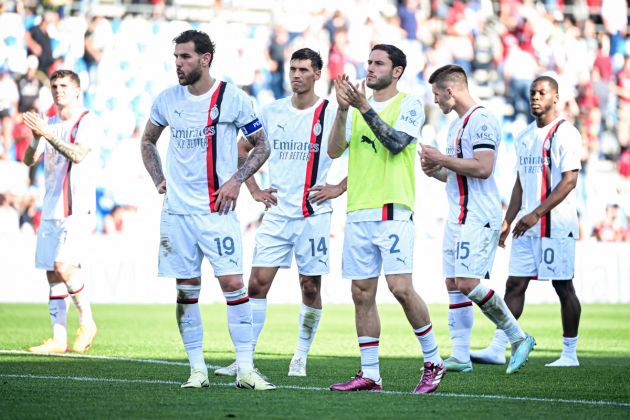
(317, 129)
(214, 112)
(209, 130)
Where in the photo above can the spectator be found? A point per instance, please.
(38, 41)
(9, 97)
(612, 227)
(29, 86)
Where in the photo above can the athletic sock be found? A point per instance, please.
(369, 357)
(76, 288)
(308, 322)
(239, 315)
(460, 323)
(259, 313)
(190, 324)
(494, 307)
(58, 310)
(426, 337)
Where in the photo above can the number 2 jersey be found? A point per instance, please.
(202, 153)
(472, 199)
(299, 154)
(543, 155)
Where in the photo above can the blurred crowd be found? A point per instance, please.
(124, 58)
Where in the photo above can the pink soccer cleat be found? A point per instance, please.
(359, 383)
(431, 378)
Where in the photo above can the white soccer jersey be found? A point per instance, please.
(202, 154)
(542, 158)
(71, 187)
(471, 199)
(299, 158)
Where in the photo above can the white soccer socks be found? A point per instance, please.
(426, 337)
(239, 315)
(308, 323)
(460, 323)
(369, 357)
(568, 358)
(259, 314)
(190, 325)
(58, 310)
(76, 288)
(494, 307)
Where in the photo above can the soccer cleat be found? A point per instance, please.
(254, 380)
(50, 345)
(431, 377)
(564, 361)
(359, 383)
(488, 356)
(84, 338)
(521, 354)
(297, 367)
(453, 365)
(229, 370)
(198, 379)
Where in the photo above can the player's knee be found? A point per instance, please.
(310, 289)
(564, 289)
(62, 271)
(401, 292)
(515, 286)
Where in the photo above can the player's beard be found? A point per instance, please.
(192, 77)
(380, 82)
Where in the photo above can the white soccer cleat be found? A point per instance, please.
(487, 356)
(198, 379)
(229, 370)
(254, 380)
(297, 367)
(564, 361)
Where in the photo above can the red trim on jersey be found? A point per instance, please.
(238, 301)
(487, 297)
(66, 191)
(545, 185)
(425, 332)
(57, 297)
(211, 147)
(462, 181)
(312, 166)
(388, 212)
(459, 305)
(370, 344)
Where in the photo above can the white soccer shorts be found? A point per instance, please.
(468, 250)
(309, 238)
(185, 239)
(370, 246)
(62, 240)
(544, 258)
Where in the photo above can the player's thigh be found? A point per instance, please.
(395, 240)
(219, 237)
(557, 261)
(179, 255)
(475, 251)
(274, 243)
(361, 256)
(48, 242)
(525, 257)
(312, 246)
(63, 241)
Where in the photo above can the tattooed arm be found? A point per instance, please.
(395, 141)
(262, 196)
(73, 152)
(151, 157)
(228, 193)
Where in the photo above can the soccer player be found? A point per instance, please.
(201, 187)
(71, 152)
(381, 136)
(544, 203)
(471, 233)
(298, 207)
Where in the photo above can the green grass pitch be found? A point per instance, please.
(137, 363)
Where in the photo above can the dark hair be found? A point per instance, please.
(399, 59)
(59, 74)
(448, 73)
(308, 54)
(552, 82)
(201, 40)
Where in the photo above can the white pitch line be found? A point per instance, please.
(292, 387)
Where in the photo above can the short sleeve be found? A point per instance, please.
(569, 144)
(485, 133)
(411, 118)
(157, 115)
